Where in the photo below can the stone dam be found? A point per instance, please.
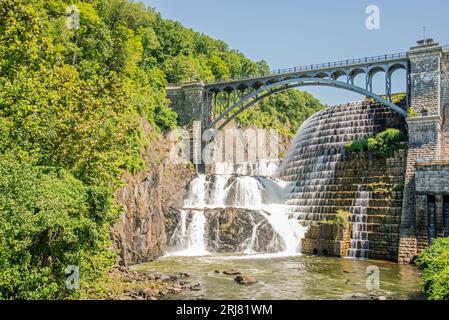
(285, 207)
(396, 205)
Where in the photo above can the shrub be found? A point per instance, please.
(383, 144)
(49, 221)
(435, 265)
(357, 146)
(341, 218)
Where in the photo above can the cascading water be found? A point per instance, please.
(311, 165)
(256, 201)
(359, 247)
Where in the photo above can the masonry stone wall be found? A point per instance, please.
(327, 239)
(425, 79)
(429, 75)
(188, 100)
(445, 88)
(445, 104)
(383, 177)
(432, 178)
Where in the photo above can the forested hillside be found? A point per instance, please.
(72, 101)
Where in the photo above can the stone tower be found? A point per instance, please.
(425, 212)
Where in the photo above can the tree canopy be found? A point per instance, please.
(77, 78)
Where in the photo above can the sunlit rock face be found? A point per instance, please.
(147, 197)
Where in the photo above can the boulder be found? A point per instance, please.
(231, 272)
(244, 279)
(196, 287)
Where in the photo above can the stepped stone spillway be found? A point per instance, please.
(326, 178)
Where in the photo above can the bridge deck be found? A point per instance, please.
(323, 67)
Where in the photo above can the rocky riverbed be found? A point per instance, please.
(132, 285)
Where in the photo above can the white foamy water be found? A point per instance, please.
(232, 186)
(359, 246)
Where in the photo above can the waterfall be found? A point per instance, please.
(195, 234)
(256, 201)
(359, 247)
(197, 192)
(312, 162)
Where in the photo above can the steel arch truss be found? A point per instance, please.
(226, 100)
(226, 105)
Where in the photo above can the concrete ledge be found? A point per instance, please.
(431, 118)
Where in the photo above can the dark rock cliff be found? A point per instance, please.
(139, 236)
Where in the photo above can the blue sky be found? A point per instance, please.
(288, 33)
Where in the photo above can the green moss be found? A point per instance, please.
(341, 218)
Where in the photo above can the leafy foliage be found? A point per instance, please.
(357, 146)
(341, 218)
(285, 111)
(435, 265)
(72, 104)
(49, 220)
(384, 144)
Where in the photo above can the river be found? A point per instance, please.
(295, 277)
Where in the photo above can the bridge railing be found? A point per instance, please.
(342, 63)
(322, 66)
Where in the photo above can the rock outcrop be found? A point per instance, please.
(140, 234)
(233, 230)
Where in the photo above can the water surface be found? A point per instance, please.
(298, 277)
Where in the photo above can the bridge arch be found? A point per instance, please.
(354, 73)
(338, 74)
(396, 66)
(265, 91)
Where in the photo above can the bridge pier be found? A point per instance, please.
(191, 103)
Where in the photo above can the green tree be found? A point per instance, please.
(49, 221)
